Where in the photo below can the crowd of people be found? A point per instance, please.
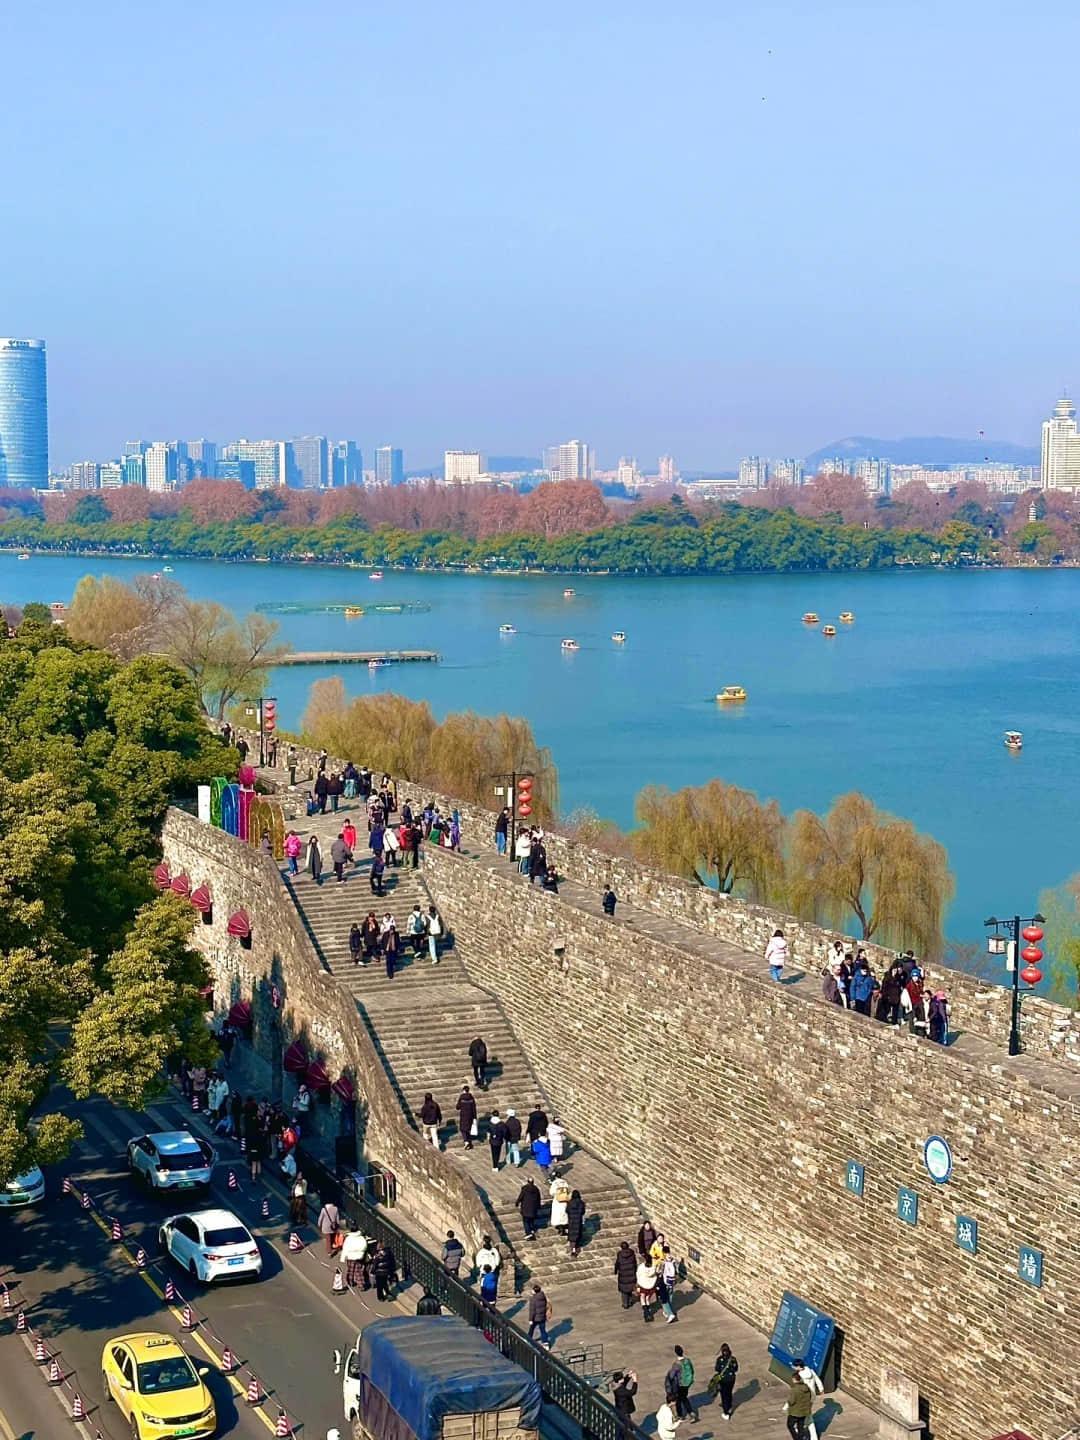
(900, 996)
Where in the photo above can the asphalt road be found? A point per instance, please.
(78, 1288)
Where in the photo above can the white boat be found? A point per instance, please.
(1014, 740)
(375, 575)
(507, 629)
(619, 636)
(25, 555)
(167, 569)
(570, 645)
(568, 594)
(377, 664)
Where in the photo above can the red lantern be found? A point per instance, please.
(524, 809)
(162, 878)
(181, 885)
(240, 924)
(525, 784)
(1031, 975)
(1031, 953)
(240, 1014)
(269, 716)
(1032, 934)
(201, 899)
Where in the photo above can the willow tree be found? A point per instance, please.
(714, 833)
(127, 620)
(859, 861)
(470, 754)
(386, 732)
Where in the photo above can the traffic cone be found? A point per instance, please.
(266, 1207)
(40, 1354)
(170, 1292)
(187, 1319)
(55, 1376)
(243, 1145)
(84, 1199)
(339, 1284)
(66, 1187)
(233, 1182)
(282, 1427)
(228, 1361)
(140, 1259)
(254, 1391)
(7, 1298)
(295, 1243)
(195, 1103)
(116, 1230)
(78, 1410)
(20, 1323)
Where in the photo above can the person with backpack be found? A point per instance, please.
(723, 1380)
(489, 1287)
(513, 1138)
(914, 1003)
(677, 1384)
(434, 933)
(431, 1119)
(863, 987)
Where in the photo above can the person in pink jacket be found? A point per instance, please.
(293, 846)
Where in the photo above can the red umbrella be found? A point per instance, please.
(317, 1077)
(295, 1059)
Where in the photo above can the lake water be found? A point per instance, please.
(909, 704)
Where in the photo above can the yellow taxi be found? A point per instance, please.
(157, 1388)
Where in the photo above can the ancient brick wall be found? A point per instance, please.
(737, 1107)
(313, 1009)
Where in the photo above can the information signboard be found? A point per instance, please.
(801, 1332)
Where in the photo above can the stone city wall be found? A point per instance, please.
(313, 1009)
(981, 1008)
(736, 1107)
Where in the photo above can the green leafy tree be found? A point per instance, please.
(1061, 907)
(714, 833)
(227, 659)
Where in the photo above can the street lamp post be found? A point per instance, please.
(1008, 932)
(524, 779)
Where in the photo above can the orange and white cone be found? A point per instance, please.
(66, 1186)
(234, 1184)
(282, 1427)
(170, 1291)
(84, 1199)
(140, 1259)
(266, 1207)
(339, 1284)
(254, 1391)
(40, 1353)
(55, 1376)
(116, 1230)
(20, 1323)
(295, 1243)
(187, 1319)
(228, 1361)
(78, 1409)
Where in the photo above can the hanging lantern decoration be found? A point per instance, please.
(1032, 934)
(203, 901)
(524, 797)
(1031, 974)
(162, 878)
(181, 885)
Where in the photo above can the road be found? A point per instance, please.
(77, 1288)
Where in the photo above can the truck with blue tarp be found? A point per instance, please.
(433, 1377)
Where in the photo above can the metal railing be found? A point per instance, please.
(573, 1394)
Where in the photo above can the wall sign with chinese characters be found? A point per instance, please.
(937, 1157)
(855, 1177)
(1030, 1266)
(967, 1234)
(907, 1205)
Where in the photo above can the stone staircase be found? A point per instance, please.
(421, 1023)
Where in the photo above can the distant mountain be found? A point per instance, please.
(496, 464)
(941, 450)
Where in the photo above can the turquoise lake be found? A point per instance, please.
(908, 704)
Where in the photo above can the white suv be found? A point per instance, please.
(171, 1160)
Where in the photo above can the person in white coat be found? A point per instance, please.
(776, 954)
(560, 1199)
(556, 1139)
(487, 1255)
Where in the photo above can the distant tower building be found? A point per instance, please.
(875, 474)
(572, 461)
(462, 467)
(84, 475)
(627, 473)
(269, 459)
(203, 457)
(669, 474)
(111, 476)
(389, 466)
(786, 472)
(346, 464)
(136, 447)
(1060, 448)
(160, 462)
(134, 467)
(753, 473)
(232, 469)
(310, 468)
(24, 414)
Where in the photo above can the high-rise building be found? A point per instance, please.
(160, 463)
(462, 467)
(136, 447)
(875, 474)
(203, 457)
(134, 467)
(1060, 448)
(84, 475)
(346, 464)
(24, 414)
(268, 457)
(232, 469)
(753, 473)
(111, 475)
(669, 473)
(627, 473)
(786, 472)
(389, 466)
(572, 461)
(310, 467)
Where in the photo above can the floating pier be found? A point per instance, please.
(356, 657)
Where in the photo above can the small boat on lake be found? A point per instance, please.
(810, 618)
(619, 636)
(829, 630)
(375, 575)
(353, 612)
(156, 575)
(568, 594)
(1014, 740)
(25, 555)
(847, 617)
(570, 645)
(377, 664)
(731, 695)
(166, 569)
(507, 629)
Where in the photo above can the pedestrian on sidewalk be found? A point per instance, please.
(293, 846)
(528, 1202)
(645, 1280)
(560, 1202)
(682, 1377)
(329, 1224)
(537, 1123)
(434, 933)
(383, 1272)
(622, 1397)
(466, 1109)
(667, 1422)
(313, 864)
(353, 1255)
(453, 1253)
(608, 901)
(575, 1223)
(502, 825)
(489, 1287)
(340, 856)
(478, 1057)
(776, 954)
(431, 1119)
(513, 1138)
(799, 1403)
(541, 1153)
(626, 1274)
(488, 1255)
(723, 1380)
(539, 1314)
(496, 1139)
(242, 745)
(356, 943)
(370, 932)
(298, 1202)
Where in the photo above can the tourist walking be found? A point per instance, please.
(915, 1005)
(487, 1255)
(575, 1223)
(313, 864)
(681, 1375)
(537, 1123)
(624, 1388)
(489, 1287)
(863, 987)
(814, 1383)
(723, 1380)
(383, 1271)
(560, 1203)
(513, 1138)
(453, 1252)
(541, 1153)
(776, 954)
(335, 788)
(339, 857)
(502, 825)
(370, 932)
(298, 1202)
(478, 1056)
(539, 1314)
(556, 1139)
(322, 790)
(522, 846)
(391, 944)
(798, 1406)
(528, 1202)
(667, 1275)
(626, 1274)
(378, 868)
(356, 944)
(939, 1017)
(890, 994)
(293, 846)
(292, 760)
(416, 929)
(466, 1110)
(434, 933)
(353, 1255)
(329, 1224)
(645, 1279)
(416, 834)
(537, 862)
(496, 1138)
(667, 1422)
(431, 1119)
(348, 834)
(608, 901)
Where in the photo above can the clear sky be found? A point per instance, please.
(701, 226)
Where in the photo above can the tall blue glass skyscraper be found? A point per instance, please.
(24, 414)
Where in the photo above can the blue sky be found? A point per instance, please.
(701, 227)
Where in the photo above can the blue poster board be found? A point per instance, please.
(801, 1332)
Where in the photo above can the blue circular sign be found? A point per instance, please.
(937, 1157)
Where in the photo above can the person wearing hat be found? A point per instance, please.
(915, 1004)
(512, 1126)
